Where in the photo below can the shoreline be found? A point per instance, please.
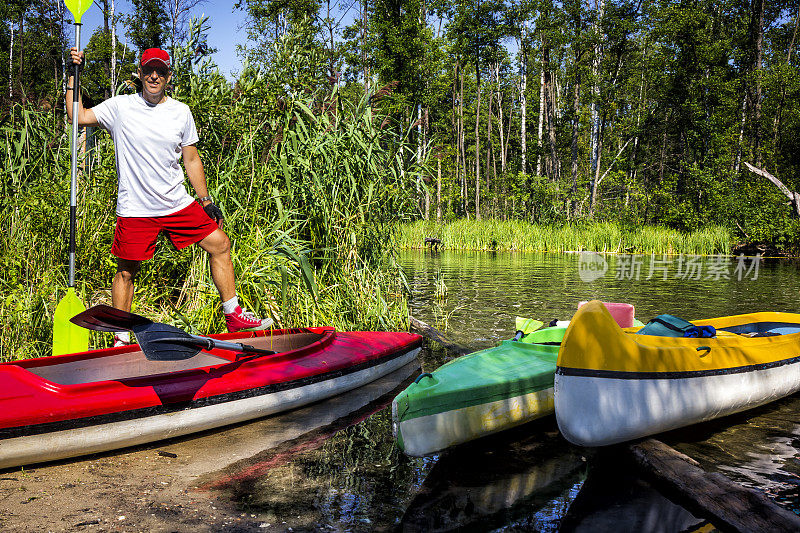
(493, 235)
(674, 254)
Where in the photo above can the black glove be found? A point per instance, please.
(214, 213)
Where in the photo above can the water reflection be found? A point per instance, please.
(759, 448)
(613, 499)
(526, 477)
(486, 291)
(346, 474)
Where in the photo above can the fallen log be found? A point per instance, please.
(726, 504)
(435, 335)
(794, 197)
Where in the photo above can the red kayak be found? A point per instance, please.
(76, 404)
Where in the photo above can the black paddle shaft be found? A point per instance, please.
(73, 187)
(159, 342)
(73, 209)
(162, 342)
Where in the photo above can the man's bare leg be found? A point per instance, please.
(122, 286)
(218, 247)
(122, 293)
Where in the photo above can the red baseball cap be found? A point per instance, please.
(153, 55)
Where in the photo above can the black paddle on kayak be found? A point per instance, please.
(159, 342)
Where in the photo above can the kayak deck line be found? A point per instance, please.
(620, 374)
(597, 343)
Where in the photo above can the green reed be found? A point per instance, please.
(599, 236)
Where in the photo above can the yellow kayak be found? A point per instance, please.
(614, 385)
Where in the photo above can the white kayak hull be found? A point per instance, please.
(426, 435)
(598, 411)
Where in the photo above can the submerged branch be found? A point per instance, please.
(728, 505)
(434, 334)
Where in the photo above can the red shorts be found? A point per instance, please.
(135, 237)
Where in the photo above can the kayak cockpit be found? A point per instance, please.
(113, 364)
(132, 364)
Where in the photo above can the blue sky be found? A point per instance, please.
(226, 33)
(226, 30)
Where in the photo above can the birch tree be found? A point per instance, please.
(178, 12)
(596, 137)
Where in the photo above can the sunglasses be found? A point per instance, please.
(160, 71)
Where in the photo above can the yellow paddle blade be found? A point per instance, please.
(67, 337)
(526, 325)
(77, 8)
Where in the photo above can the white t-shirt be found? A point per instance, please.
(148, 142)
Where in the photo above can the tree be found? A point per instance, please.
(519, 15)
(576, 22)
(14, 13)
(270, 20)
(178, 12)
(96, 79)
(147, 24)
(398, 44)
(476, 30)
(33, 45)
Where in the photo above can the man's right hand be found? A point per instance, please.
(76, 56)
(86, 117)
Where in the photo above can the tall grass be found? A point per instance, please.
(599, 237)
(310, 186)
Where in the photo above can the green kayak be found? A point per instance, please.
(478, 394)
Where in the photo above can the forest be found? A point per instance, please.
(643, 112)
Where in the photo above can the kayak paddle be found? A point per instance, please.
(66, 337)
(159, 342)
(525, 326)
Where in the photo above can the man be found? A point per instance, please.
(151, 133)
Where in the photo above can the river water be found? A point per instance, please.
(348, 475)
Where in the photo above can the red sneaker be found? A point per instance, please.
(241, 320)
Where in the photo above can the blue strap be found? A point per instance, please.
(423, 375)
